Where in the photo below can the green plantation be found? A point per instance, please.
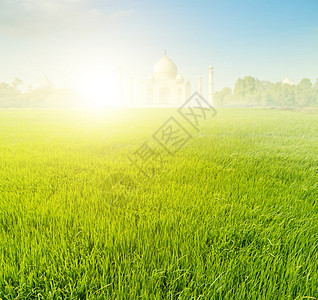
(233, 214)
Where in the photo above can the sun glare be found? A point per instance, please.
(99, 90)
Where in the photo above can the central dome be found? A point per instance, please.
(165, 67)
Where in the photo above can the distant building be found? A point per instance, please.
(288, 81)
(165, 86)
(45, 83)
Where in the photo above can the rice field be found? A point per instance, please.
(233, 214)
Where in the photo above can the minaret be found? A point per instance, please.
(200, 85)
(211, 87)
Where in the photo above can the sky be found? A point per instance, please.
(78, 42)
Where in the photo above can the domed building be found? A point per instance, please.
(165, 86)
(288, 81)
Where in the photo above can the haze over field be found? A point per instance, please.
(80, 44)
(158, 149)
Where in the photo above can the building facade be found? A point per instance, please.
(165, 86)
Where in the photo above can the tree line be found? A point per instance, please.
(250, 91)
(40, 97)
(247, 92)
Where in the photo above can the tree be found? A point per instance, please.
(304, 93)
(315, 92)
(269, 93)
(246, 90)
(287, 95)
(17, 82)
(223, 97)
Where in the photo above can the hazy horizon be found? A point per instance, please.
(121, 180)
(77, 42)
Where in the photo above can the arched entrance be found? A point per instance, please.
(164, 95)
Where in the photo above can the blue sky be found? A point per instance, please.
(63, 38)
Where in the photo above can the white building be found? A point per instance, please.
(288, 81)
(165, 86)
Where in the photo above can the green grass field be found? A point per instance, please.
(233, 215)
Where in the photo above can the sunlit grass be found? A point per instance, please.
(232, 216)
